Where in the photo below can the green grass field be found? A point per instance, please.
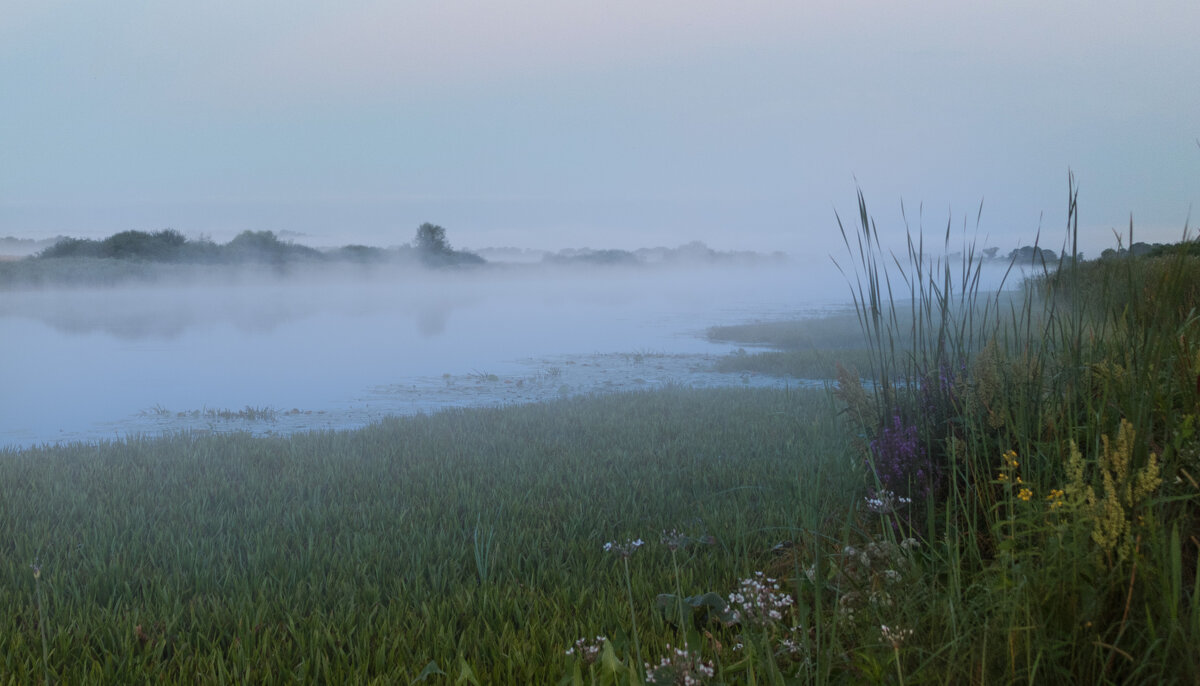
(352, 557)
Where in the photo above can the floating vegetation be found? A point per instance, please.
(246, 414)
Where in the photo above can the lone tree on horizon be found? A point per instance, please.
(433, 249)
(431, 240)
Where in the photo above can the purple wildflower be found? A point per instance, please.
(901, 463)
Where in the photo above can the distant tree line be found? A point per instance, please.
(1139, 249)
(1022, 255)
(588, 256)
(695, 252)
(169, 246)
(1030, 254)
(1027, 254)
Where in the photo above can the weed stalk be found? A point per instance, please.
(37, 583)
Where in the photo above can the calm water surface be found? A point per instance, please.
(341, 351)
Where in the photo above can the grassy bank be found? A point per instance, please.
(1044, 452)
(803, 349)
(470, 537)
(813, 348)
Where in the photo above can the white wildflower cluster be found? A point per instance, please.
(681, 668)
(886, 502)
(625, 549)
(867, 573)
(588, 650)
(878, 556)
(674, 540)
(849, 604)
(862, 557)
(894, 635)
(758, 601)
(792, 643)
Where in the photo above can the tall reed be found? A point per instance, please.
(1047, 442)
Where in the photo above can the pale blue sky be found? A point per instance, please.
(621, 123)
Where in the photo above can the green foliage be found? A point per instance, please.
(698, 609)
(1049, 553)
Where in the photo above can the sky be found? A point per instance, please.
(605, 124)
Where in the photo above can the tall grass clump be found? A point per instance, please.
(1039, 453)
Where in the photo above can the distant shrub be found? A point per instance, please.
(359, 253)
(203, 251)
(265, 246)
(160, 246)
(1032, 254)
(167, 245)
(72, 247)
(435, 251)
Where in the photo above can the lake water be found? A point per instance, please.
(339, 351)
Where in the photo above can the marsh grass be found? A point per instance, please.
(350, 557)
(813, 364)
(1048, 446)
(804, 349)
(246, 414)
(838, 330)
(37, 582)
(483, 547)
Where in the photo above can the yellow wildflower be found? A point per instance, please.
(1010, 459)
(1113, 514)
(1025, 494)
(1055, 498)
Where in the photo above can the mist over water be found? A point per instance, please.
(336, 350)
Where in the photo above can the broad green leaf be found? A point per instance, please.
(430, 669)
(465, 674)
